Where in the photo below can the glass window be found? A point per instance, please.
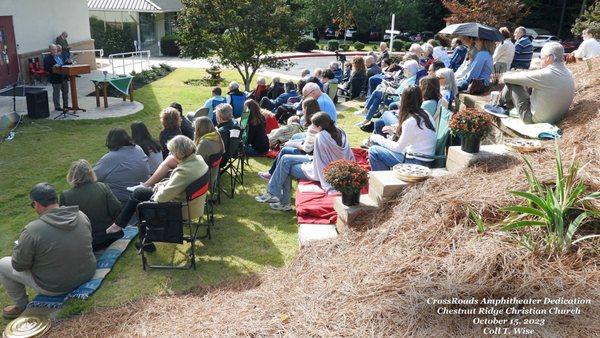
(147, 32)
(170, 22)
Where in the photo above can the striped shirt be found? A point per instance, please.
(523, 53)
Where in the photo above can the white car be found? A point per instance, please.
(350, 33)
(541, 40)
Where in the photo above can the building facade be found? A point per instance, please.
(27, 27)
(153, 18)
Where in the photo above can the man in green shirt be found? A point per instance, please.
(53, 254)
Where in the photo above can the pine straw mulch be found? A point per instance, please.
(375, 282)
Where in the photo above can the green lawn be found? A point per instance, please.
(248, 237)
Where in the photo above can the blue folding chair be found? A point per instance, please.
(237, 102)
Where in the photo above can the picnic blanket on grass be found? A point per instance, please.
(103, 266)
(542, 131)
(314, 205)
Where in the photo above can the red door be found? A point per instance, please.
(9, 70)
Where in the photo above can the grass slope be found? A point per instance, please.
(248, 236)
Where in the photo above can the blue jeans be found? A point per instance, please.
(382, 159)
(374, 81)
(388, 118)
(251, 151)
(298, 137)
(289, 167)
(284, 151)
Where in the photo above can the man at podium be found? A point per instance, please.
(59, 81)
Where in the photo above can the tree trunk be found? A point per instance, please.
(583, 6)
(562, 18)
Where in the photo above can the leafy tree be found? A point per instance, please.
(589, 19)
(494, 13)
(365, 15)
(238, 33)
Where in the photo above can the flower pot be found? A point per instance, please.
(350, 198)
(470, 143)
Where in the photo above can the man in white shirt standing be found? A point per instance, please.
(504, 53)
(589, 48)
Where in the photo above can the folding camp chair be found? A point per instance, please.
(358, 86)
(164, 222)
(214, 196)
(237, 103)
(442, 116)
(235, 162)
(332, 91)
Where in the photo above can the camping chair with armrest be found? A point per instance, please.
(237, 102)
(332, 89)
(163, 222)
(214, 196)
(36, 71)
(442, 118)
(235, 162)
(200, 112)
(357, 85)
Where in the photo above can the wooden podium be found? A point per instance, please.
(72, 71)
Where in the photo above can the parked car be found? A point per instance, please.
(541, 40)
(351, 33)
(571, 45)
(375, 35)
(532, 33)
(330, 33)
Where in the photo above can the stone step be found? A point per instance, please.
(459, 160)
(315, 232)
(348, 214)
(384, 185)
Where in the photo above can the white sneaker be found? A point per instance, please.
(267, 198)
(265, 175)
(361, 123)
(280, 207)
(360, 113)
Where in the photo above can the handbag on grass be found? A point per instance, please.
(476, 87)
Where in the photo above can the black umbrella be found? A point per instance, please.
(473, 29)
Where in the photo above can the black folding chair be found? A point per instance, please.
(214, 196)
(357, 89)
(234, 167)
(162, 222)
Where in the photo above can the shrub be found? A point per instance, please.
(306, 44)
(169, 46)
(345, 47)
(558, 210)
(346, 176)
(374, 48)
(359, 45)
(589, 19)
(470, 122)
(333, 45)
(112, 39)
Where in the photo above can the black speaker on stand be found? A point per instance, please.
(37, 104)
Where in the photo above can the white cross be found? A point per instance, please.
(392, 33)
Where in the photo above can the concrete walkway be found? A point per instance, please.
(116, 106)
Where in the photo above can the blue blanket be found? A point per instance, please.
(103, 266)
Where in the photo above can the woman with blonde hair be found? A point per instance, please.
(171, 122)
(189, 168)
(95, 200)
(208, 142)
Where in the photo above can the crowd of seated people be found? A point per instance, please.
(406, 96)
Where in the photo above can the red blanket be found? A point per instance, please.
(313, 205)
